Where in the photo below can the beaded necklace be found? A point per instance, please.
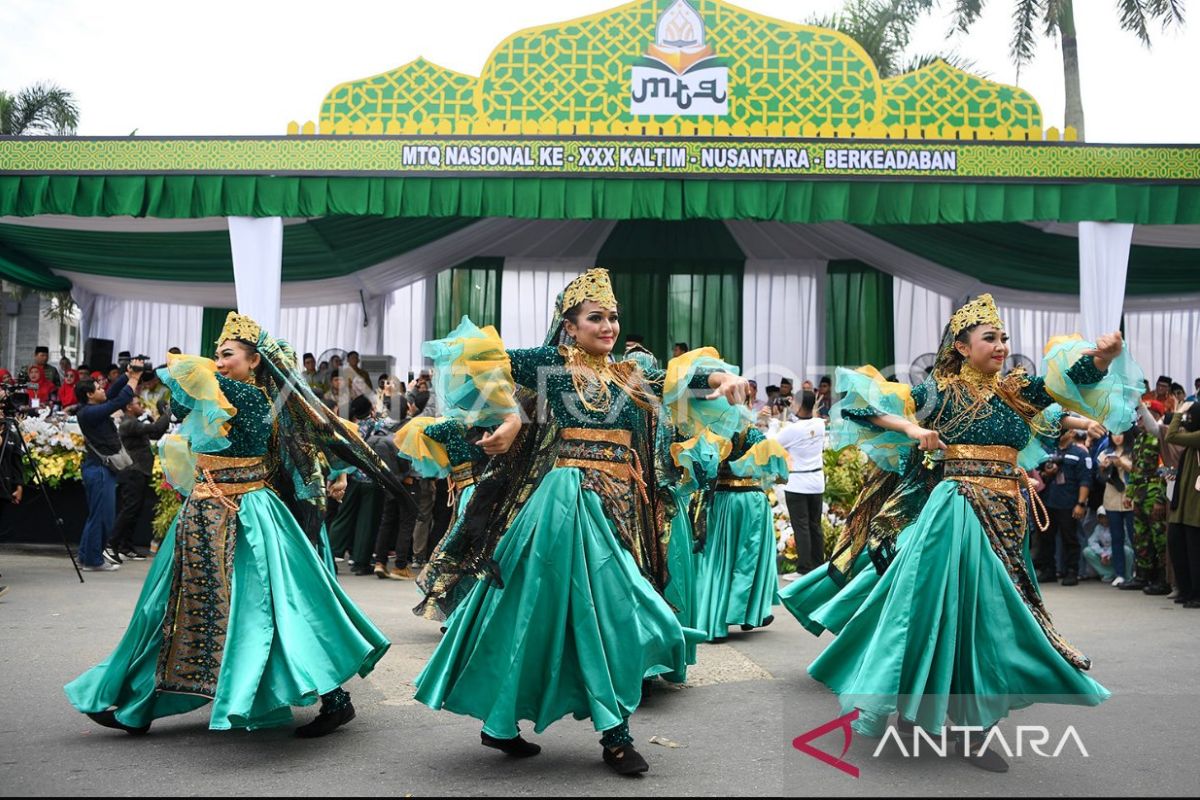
(591, 374)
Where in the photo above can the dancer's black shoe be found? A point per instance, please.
(625, 760)
(109, 720)
(515, 747)
(326, 722)
(985, 759)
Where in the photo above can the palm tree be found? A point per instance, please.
(884, 29)
(1057, 18)
(42, 108)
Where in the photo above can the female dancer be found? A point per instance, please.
(571, 619)
(951, 622)
(737, 577)
(237, 609)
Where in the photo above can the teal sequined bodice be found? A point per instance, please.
(453, 436)
(250, 428)
(541, 369)
(999, 424)
(742, 443)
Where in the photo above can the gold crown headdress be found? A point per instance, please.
(980, 311)
(239, 326)
(594, 285)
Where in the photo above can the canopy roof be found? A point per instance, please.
(332, 259)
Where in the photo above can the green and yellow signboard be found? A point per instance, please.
(602, 157)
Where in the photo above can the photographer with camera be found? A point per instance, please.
(136, 491)
(104, 458)
(12, 471)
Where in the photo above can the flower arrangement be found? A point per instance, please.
(169, 502)
(57, 453)
(53, 450)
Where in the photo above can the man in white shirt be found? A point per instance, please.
(804, 440)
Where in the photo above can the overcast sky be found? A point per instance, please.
(248, 67)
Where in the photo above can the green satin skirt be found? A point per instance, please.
(681, 566)
(573, 631)
(941, 634)
(737, 577)
(819, 604)
(292, 634)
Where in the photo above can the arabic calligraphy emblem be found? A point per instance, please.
(680, 74)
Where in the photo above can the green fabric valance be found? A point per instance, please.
(318, 248)
(1023, 257)
(863, 202)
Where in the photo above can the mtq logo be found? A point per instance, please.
(1031, 738)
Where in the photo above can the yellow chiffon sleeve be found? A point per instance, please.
(428, 457)
(473, 375)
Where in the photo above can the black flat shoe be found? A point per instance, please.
(1133, 585)
(988, 760)
(109, 720)
(625, 760)
(326, 722)
(1192, 604)
(1070, 580)
(767, 620)
(1156, 589)
(515, 747)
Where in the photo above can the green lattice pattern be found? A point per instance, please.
(940, 95)
(779, 73)
(418, 92)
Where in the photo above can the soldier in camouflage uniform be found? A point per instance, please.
(1147, 489)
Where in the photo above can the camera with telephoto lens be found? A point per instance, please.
(13, 398)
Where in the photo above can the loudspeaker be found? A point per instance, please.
(98, 353)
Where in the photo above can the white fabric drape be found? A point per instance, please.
(920, 314)
(145, 328)
(527, 294)
(1103, 262)
(86, 302)
(405, 327)
(314, 329)
(257, 247)
(1029, 329)
(783, 320)
(1166, 343)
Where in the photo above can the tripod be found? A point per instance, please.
(11, 432)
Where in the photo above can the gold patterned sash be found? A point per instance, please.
(993, 467)
(991, 481)
(607, 450)
(194, 626)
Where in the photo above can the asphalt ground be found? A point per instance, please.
(729, 731)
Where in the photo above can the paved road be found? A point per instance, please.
(733, 724)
